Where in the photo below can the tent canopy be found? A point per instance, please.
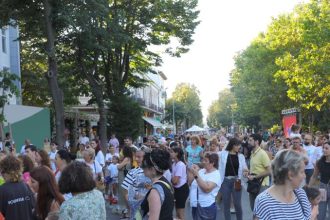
(195, 128)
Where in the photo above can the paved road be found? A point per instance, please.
(247, 213)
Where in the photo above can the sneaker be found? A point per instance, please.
(232, 210)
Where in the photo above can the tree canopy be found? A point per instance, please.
(187, 106)
(286, 66)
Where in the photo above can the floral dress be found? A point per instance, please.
(84, 206)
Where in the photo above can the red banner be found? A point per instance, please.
(288, 121)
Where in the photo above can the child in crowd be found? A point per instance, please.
(112, 180)
(110, 153)
(314, 197)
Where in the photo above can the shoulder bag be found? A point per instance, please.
(254, 185)
(237, 183)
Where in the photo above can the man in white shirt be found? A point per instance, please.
(129, 143)
(27, 142)
(310, 149)
(52, 155)
(83, 139)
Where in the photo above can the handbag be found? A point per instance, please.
(254, 185)
(324, 192)
(205, 213)
(98, 182)
(237, 183)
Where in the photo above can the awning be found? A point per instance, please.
(153, 122)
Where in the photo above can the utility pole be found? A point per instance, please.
(174, 125)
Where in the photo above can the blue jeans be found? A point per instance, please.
(253, 197)
(227, 190)
(324, 205)
(211, 210)
(309, 173)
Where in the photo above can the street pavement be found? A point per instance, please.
(247, 213)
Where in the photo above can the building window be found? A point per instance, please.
(3, 40)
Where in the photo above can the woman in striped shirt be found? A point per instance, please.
(284, 200)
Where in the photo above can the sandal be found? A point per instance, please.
(124, 214)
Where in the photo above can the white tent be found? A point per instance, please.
(195, 128)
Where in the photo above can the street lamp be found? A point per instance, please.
(174, 127)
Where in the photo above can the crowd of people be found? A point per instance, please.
(285, 177)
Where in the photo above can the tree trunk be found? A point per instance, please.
(98, 93)
(56, 92)
(103, 126)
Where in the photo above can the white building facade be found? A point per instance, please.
(10, 55)
(152, 99)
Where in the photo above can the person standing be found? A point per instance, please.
(179, 181)
(285, 199)
(322, 169)
(231, 166)
(16, 199)
(52, 155)
(194, 151)
(310, 149)
(134, 181)
(49, 199)
(158, 203)
(114, 142)
(259, 166)
(87, 202)
(204, 187)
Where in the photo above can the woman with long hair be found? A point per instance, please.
(123, 167)
(27, 167)
(179, 181)
(99, 156)
(49, 199)
(42, 158)
(232, 166)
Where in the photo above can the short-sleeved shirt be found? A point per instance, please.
(259, 162)
(131, 178)
(87, 205)
(324, 168)
(310, 154)
(16, 201)
(268, 208)
(108, 156)
(96, 168)
(113, 168)
(179, 169)
(193, 154)
(205, 199)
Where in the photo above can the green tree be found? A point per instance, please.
(126, 117)
(8, 89)
(41, 22)
(223, 110)
(259, 96)
(305, 64)
(188, 96)
(110, 43)
(179, 112)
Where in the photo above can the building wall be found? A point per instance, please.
(153, 95)
(10, 56)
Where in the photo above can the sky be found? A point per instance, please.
(227, 27)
